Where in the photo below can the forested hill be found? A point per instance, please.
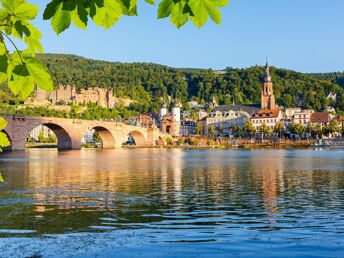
(147, 82)
(335, 77)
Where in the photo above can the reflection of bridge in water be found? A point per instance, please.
(69, 132)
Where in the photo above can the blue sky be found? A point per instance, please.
(303, 35)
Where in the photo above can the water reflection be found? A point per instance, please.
(208, 195)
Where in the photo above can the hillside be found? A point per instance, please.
(335, 77)
(147, 82)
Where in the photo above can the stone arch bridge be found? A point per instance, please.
(70, 132)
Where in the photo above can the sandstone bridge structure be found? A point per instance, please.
(69, 132)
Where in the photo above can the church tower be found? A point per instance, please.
(267, 97)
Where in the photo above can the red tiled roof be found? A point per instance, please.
(266, 113)
(320, 117)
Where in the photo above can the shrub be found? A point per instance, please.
(169, 141)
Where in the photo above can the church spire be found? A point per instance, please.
(267, 97)
(267, 76)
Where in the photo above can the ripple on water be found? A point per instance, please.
(173, 203)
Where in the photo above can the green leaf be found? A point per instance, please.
(33, 41)
(3, 49)
(165, 8)
(3, 68)
(39, 74)
(129, 7)
(178, 17)
(3, 15)
(21, 83)
(1, 178)
(61, 19)
(20, 9)
(19, 30)
(200, 12)
(129, 4)
(79, 16)
(4, 142)
(10, 5)
(13, 61)
(108, 15)
(221, 3)
(3, 123)
(22, 86)
(51, 9)
(26, 11)
(69, 5)
(202, 8)
(150, 1)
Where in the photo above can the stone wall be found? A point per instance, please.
(68, 94)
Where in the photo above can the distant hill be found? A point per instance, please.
(147, 82)
(335, 77)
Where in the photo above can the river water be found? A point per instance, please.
(172, 203)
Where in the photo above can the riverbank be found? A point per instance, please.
(237, 144)
(211, 143)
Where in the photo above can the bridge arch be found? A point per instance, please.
(139, 138)
(160, 141)
(64, 140)
(108, 139)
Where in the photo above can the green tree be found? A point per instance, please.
(97, 138)
(220, 129)
(334, 127)
(53, 138)
(264, 130)
(41, 137)
(279, 128)
(316, 130)
(211, 130)
(198, 129)
(296, 128)
(235, 129)
(249, 128)
(326, 130)
(169, 141)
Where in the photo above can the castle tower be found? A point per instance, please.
(163, 110)
(176, 117)
(267, 97)
(176, 111)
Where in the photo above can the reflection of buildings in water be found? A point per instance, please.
(177, 162)
(58, 178)
(171, 174)
(66, 179)
(300, 164)
(218, 175)
(269, 170)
